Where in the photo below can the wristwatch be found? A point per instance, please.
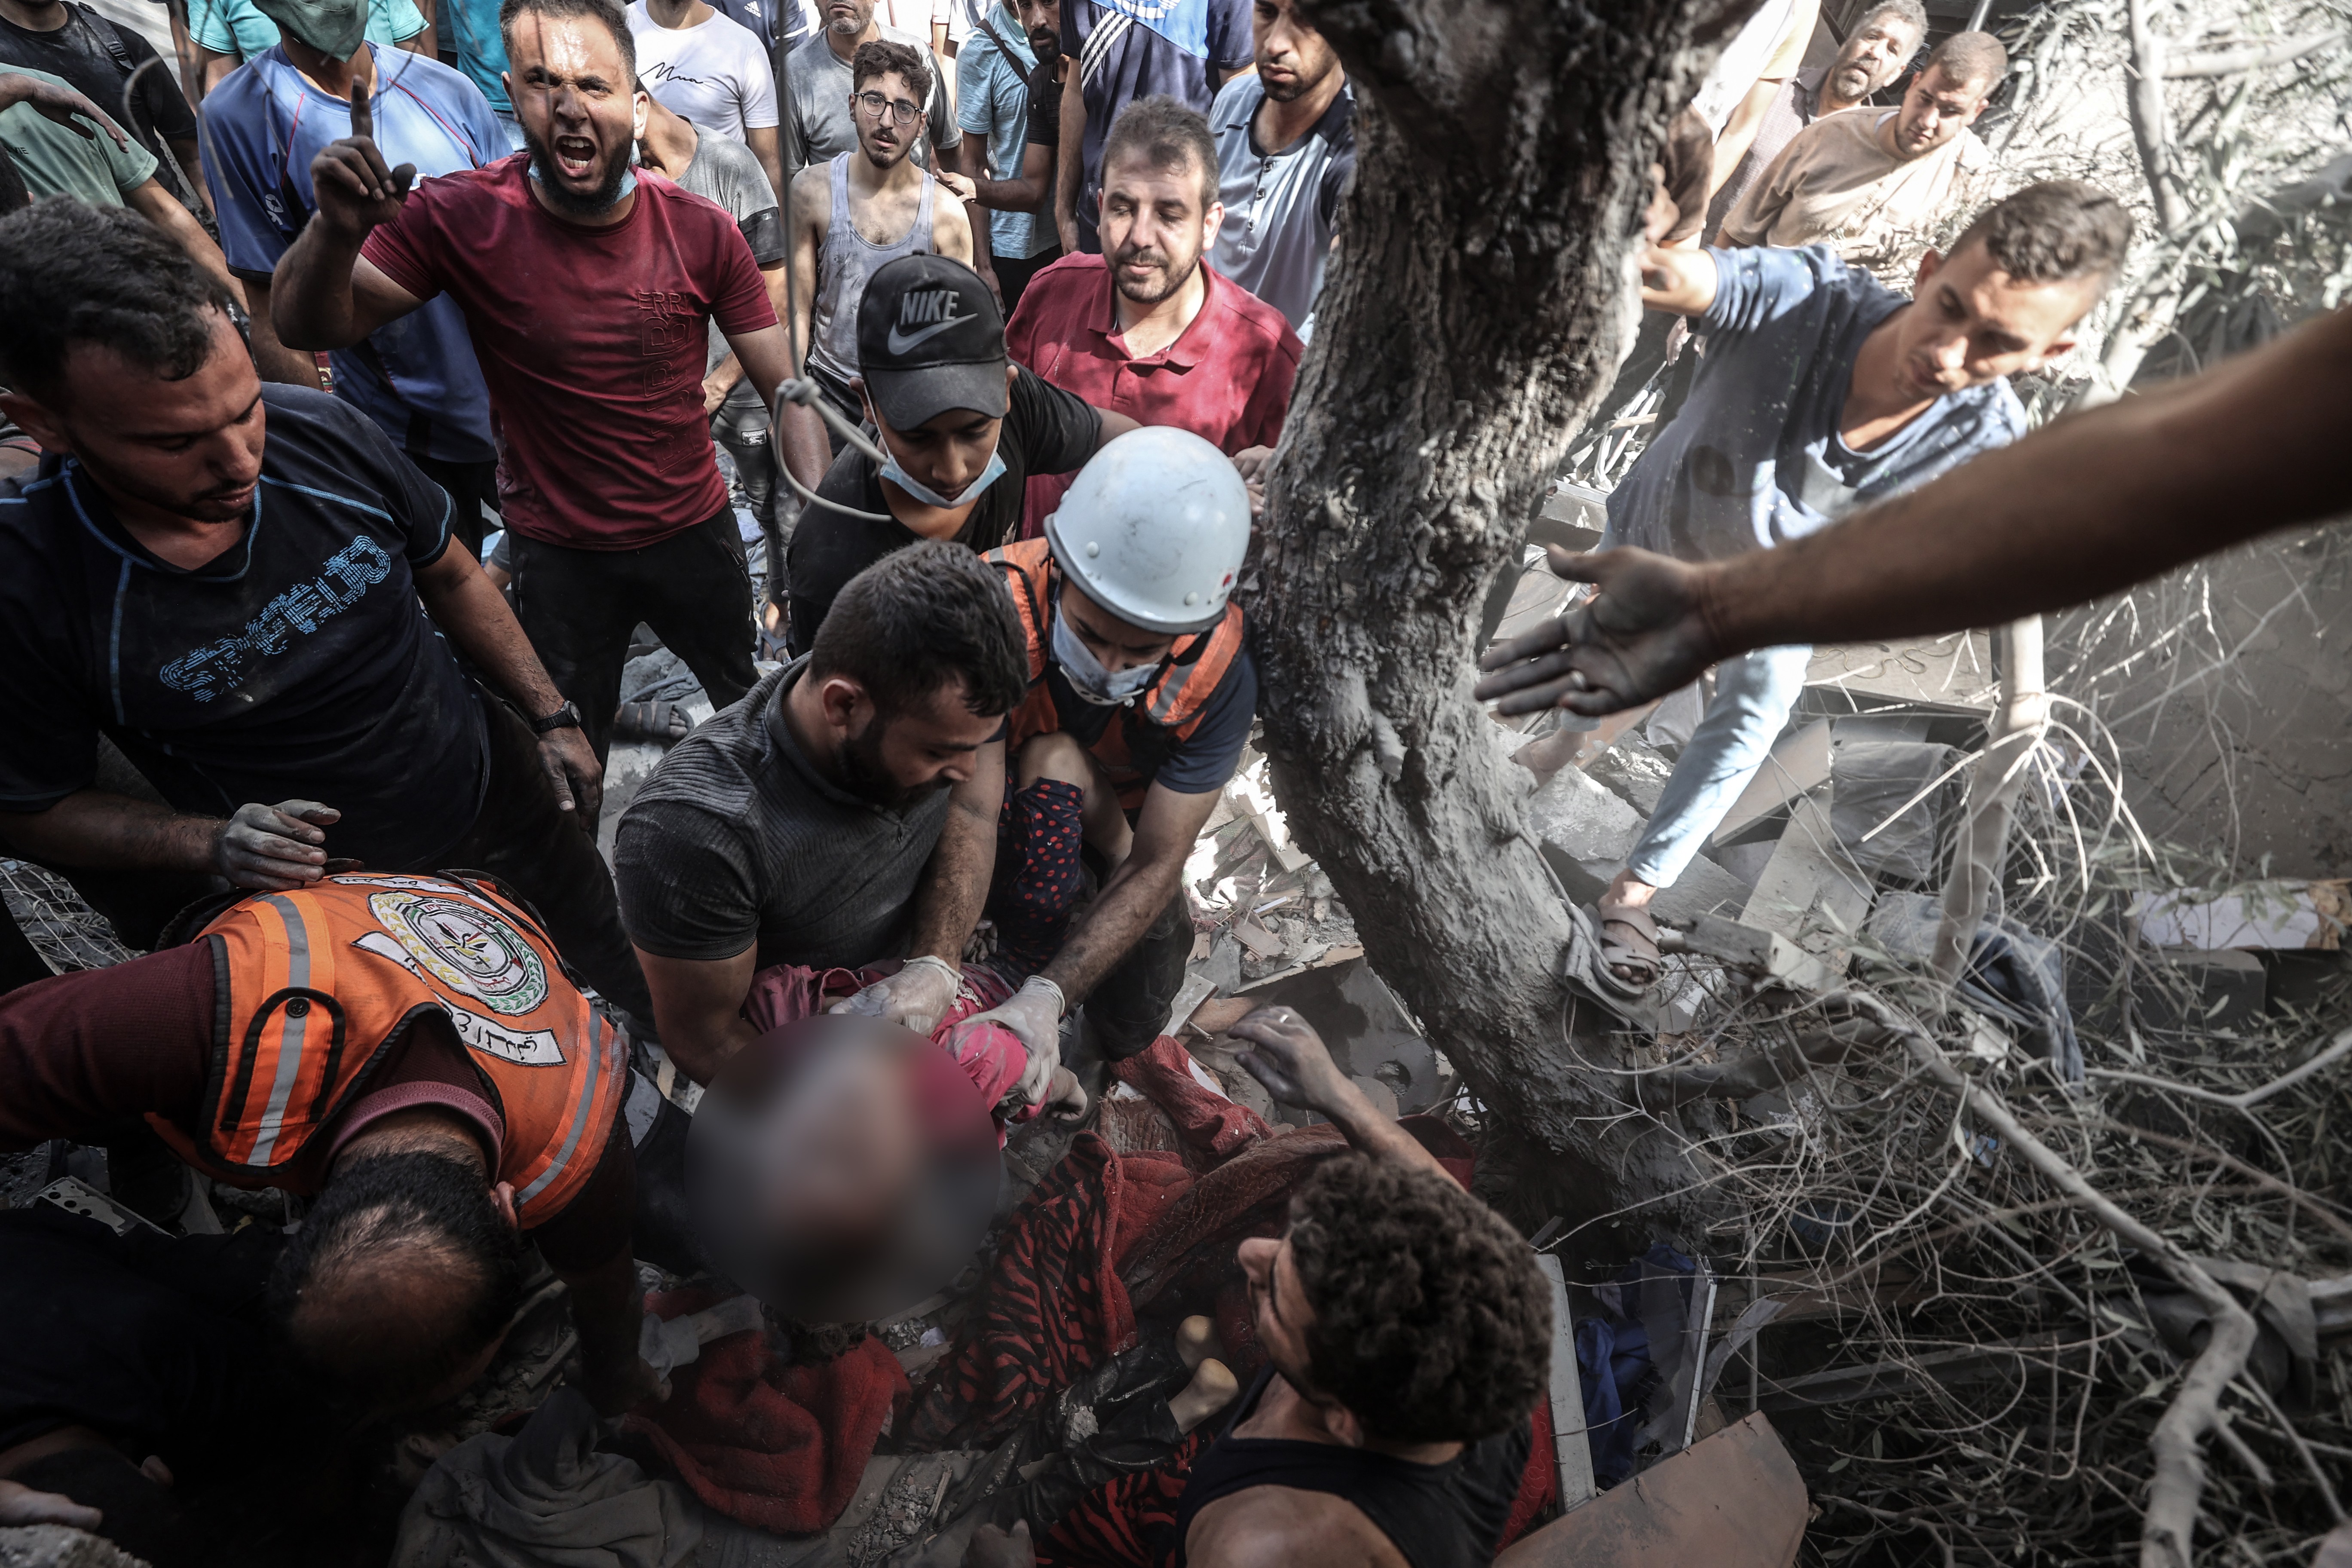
(564, 718)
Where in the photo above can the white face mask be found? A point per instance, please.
(1086, 674)
(922, 492)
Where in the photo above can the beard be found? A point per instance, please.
(1045, 43)
(1172, 278)
(561, 196)
(1851, 81)
(864, 774)
(1296, 88)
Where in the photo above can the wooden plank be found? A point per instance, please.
(1952, 673)
(1570, 1441)
(1733, 1500)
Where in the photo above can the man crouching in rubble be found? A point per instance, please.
(408, 1052)
(1407, 1333)
(1821, 391)
(1140, 695)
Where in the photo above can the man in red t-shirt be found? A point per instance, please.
(1147, 329)
(588, 287)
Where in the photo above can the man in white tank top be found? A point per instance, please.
(847, 218)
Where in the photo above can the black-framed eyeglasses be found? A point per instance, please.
(903, 111)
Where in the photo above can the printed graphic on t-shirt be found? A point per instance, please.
(207, 672)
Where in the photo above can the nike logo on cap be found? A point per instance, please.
(936, 307)
(898, 342)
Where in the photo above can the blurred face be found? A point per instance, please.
(1115, 645)
(897, 762)
(847, 18)
(190, 448)
(889, 116)
(1872, 57)
(1155, 224)
(1971, 323)
(1041, 20)
(581, 114)
(944, 454)
(1292, 58)
(1936, 109)
(846, 1151)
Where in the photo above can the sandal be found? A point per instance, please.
(1632, 958)
(663, 724)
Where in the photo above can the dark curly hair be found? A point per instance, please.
(918, 618)
(75, 274)
(2054, 232)
(884, 57)
(1431, 1322)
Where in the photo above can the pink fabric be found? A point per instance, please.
(1206, 1122)
(991, 1055)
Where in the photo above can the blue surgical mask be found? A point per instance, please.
(1086, 674)
(922, 492)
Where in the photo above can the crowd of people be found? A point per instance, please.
(338, 477)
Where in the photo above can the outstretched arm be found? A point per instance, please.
(2091, 504)
(1290, 1059)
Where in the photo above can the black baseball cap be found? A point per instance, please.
(931, 338)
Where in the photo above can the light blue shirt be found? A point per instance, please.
(481, 48)
(1754, 459)
(236, 27)
(993, 101)
(415, 377)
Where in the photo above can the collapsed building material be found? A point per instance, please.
(60, 1546)
(1733, 1500)
(1812, 890)
(2273, 914)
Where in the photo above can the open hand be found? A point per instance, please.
(958, 185)
(355, 189)
(1290, 1059)
(62, 104)
(276, 848)
(1645, 634)
(572, 768)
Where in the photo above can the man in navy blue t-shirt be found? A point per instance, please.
(252, 594)
(1821, 391)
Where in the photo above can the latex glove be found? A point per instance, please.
(1034, 1014)
(917, 997)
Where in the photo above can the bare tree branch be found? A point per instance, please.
(2229, 62)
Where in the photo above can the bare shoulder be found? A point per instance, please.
(812, 194)
(951, 227)
(1283, 1527)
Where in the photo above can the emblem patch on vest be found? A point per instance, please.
(467, 948)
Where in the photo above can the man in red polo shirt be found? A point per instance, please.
(588, 287)
(1147, 329)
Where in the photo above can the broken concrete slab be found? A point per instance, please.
(1733, 1500)
(2279, 914)
(1800, 763)
(1760, 954)
(57, 1546)
(1580, 821)
(1810, 891)
(1949, 674)
(1891, 799)
(1369, 1032)
(1634, 771)
(1574, 517)
(1703, 889)
(2189, 990)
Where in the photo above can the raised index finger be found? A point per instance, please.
(363, 118)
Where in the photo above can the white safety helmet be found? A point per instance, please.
(1154, 530)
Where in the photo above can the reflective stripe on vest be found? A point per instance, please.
(1188, 677)
(318, 984)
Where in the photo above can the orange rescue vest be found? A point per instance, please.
(315, 988)
(1170, 710)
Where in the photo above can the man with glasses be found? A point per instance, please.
(850, 218)
(818, 83)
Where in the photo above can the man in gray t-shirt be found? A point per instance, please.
(842, 813)
(816, 88)
(726, 173)
(1285, 137)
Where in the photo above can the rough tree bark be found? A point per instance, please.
(1472, 314)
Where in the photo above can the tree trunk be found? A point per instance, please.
(1472, 314)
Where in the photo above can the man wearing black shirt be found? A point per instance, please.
(964, 426)
(98, 56)
(225, 580)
